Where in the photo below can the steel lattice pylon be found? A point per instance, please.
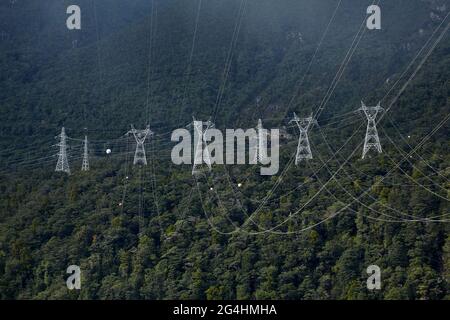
(63, 164)
(85, 165)
(303, 147)
(261, 142)
(140, 136)
(372, 140)
(201, 152)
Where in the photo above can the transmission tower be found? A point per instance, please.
(140, 136)
(303, 147)
(202, 155)
(260, 153)
(63, 164)
(85, 165)
(372, 140)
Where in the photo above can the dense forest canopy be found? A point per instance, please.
(157, 232)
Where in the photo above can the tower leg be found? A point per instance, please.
(372, 140)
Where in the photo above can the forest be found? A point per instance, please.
(157, 231)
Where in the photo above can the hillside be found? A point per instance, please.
(157, 232)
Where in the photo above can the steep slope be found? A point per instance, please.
(153, 233)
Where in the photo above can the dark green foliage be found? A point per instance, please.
(162, 241)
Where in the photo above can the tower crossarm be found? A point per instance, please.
(303, 124)
(371, 112)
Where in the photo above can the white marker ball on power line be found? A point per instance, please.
(239, 185)
(108, 151)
